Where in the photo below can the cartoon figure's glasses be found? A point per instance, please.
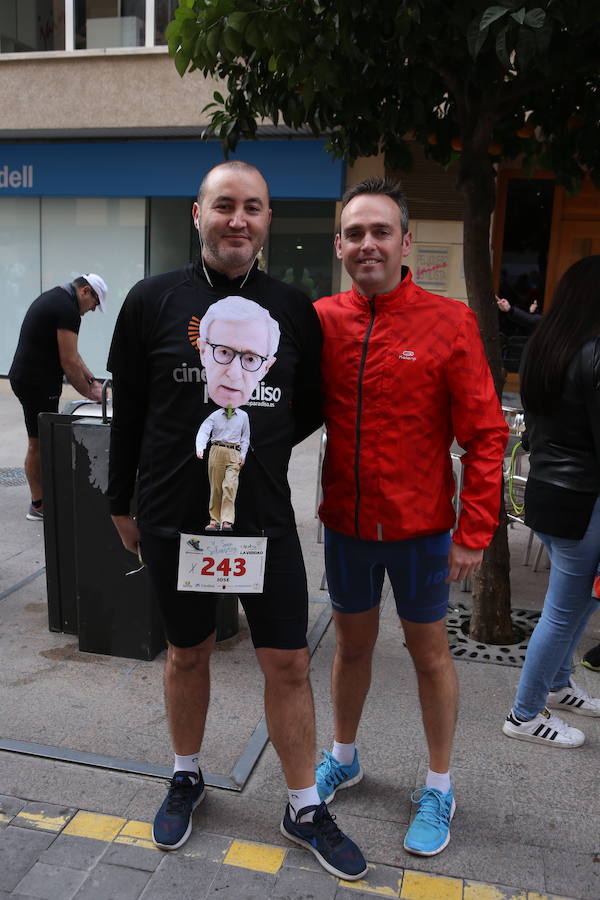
(250, 361)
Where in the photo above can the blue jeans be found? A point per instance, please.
(568, 607)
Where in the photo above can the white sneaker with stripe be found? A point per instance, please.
(545, 728)
(575, 699)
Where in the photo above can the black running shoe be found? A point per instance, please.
(173, 822)
(591, 660)
(337, 853)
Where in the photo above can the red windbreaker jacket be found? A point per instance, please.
(404, 374)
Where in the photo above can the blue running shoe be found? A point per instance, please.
(335, 851)
(173, 822)
(332, 776)
(429, 831)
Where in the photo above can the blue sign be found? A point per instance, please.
(293, 168)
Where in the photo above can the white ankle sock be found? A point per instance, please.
(343, 753)
(187, 764)
(438, 780)
(303, 798)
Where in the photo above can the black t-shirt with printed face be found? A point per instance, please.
(160, 399)
(36, 361)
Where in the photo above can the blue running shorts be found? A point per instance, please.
(417, 569)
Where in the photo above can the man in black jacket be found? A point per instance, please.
(159, 401)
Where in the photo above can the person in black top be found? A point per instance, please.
(159, 401)
(47, 349)
(560, 389)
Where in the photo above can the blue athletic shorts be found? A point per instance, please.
(417, 569)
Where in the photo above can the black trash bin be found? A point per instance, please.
(89, 590)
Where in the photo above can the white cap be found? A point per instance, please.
(99, 285)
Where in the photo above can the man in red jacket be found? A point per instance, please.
(404, 374)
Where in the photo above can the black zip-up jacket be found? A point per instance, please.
(565, 447)
(160, 399)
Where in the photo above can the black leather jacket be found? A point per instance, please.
(565, 447)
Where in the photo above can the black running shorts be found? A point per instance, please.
(277, 618)
(34, 401)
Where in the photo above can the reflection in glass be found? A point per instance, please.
(32, 25)
(301, 244)
(164, 12)
(109, 23)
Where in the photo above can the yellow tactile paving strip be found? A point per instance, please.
(267, 858)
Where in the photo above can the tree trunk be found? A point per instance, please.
(490, 621)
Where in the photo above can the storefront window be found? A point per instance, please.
(524, 261)
(93, 234)
(109, 23)
(300, 250)
(19, 268)
(164, 12)
(172, 238)
(32, 25)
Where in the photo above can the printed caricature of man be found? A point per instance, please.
(238, 341)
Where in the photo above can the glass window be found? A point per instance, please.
(301, 244)
(32, 25)
(106, 235)
(164, 12)
(524, 263)
(109, 23)
(173, 240)
(19, 268)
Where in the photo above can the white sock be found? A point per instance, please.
(438, 780)
(343, 753)
(301, 799)
(188, 764)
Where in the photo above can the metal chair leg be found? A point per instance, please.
(529, 546)
(538, 557)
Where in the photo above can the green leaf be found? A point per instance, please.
(501, 51)
(213, 40)
(490, 15)
(190, 3)
(519, 16)
(526, 48)
(272, 65)
(475, 38)
(181, 62)
(535, 18)
(238, 20)
(232, 40)
(253, 34)
(218, 97)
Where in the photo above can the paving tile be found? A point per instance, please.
(231, 883)
(44, 816)
(181, 878)
(299, 884)
(19, 850)
(75, 852)
(203, 845)
(475, 890)
(258, 857)
(9, 807)
(380, 879)
(421, 886)
(572, 874)
(95, 825)
(345, 892)
(563, 828)
(51, 882)
(113, 883)
(300, 859)
(134, 857)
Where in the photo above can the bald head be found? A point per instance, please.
(236, 166)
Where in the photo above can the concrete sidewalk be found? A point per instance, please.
(527, 822)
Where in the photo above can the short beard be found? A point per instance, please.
(236, 259)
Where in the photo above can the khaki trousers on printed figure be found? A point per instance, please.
(223, 474)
